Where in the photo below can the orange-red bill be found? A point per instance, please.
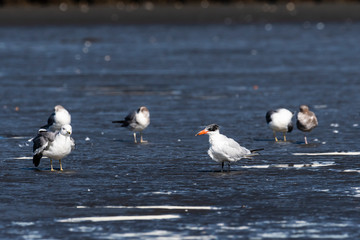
(202, 132)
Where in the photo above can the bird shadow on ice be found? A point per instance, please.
(131, 142)
(309, 145)
(278, 142)
(225, 172)
(47, 170)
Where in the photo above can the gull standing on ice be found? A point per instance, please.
(280, 120)
(223, 149)
(58, 118)
(306, 120)
(136, 121)
(54, 145)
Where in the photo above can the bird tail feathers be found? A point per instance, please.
(120, 121)
(256, 150)
(36, 159)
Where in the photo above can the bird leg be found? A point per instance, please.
(228, 166)
(141, 138)
(284, 136)
(61, 169)
(222, 167)
(135, 137)
(51, 166)
(275, 136)
(306, 142)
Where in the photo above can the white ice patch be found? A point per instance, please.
(162, 193)
(225, 227)
(160, 207)
(18, 137)
(352, 171)
(84, 229)
(300, 165)
(156, 234)
(256, 166)
(328, 154)
(356, 191)
(23, 158)
(118, 218)
(23, 224)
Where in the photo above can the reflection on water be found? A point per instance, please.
(188, 77)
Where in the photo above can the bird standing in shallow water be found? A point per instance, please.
(306, 120)
(137, 121)
(280, 120)
(223, 149)
(54, 145)
(58, 118)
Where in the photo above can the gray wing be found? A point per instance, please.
(129, 119)
(51, 121)
(230, 149)
(234, 150)
(41, 141)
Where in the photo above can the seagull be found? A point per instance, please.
(306, 120)
(54, 145)
(136, 121)
(280, 120)
(58, 118)
(223, 149)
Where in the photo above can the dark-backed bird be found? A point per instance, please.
(54, 145)
(136, 121)
(223, 149)
(280, 120)
(306, 120)
(58, 118)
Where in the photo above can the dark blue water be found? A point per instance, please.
(188, 77)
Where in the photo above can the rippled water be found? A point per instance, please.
(188, 77)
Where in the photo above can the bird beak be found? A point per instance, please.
(202, 132)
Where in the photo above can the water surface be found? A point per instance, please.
(188, 77)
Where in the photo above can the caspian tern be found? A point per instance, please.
(136, 121)
(280, 120)
(306, 120)
(54, 145)
(58, 118)
(223, 149)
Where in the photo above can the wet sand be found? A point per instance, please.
(178, 14)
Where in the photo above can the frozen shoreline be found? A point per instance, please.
(178, 14)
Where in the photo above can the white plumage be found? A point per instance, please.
(223, 149)
(280, 120)
(136, 121)
(58, 118)
(54, 145)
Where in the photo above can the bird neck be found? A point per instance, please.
(213, 136)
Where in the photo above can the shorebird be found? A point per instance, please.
(136, 121)
(280, 120)
(54, 145)
(306, 120)
(223, 149)
(58, 118)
